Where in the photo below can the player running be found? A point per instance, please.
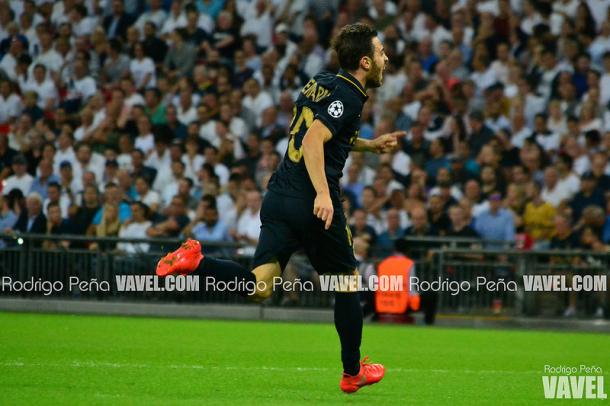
(302, 208)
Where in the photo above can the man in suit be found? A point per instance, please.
(32, 220)
(118, 22)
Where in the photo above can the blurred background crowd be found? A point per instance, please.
(166, 118)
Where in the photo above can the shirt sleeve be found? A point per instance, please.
(336, 111)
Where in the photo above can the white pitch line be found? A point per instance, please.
(93, 364)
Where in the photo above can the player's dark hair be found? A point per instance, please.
(352, 43)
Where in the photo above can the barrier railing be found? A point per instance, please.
(452, 263)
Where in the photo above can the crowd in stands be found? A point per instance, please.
(166, 118)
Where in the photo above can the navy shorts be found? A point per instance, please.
(288, 225)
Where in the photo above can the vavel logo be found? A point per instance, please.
(570, 382)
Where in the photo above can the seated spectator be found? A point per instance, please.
(139, 168)
(20, 179)
(146, 195)
(420, 227)
(32, 219)
(386, 240)
(496, 224)
(117, 64)
(437, 159)
(552, 192)
(437, 216)
(589, 195)
(135, 228)
(112, 196)
(209, 228)
(44, 179)
(56, 225)
(181, 56)
(459, 224)
(8, 218)
(85, 213)
(172, 223)
(54, 195)
(249, 223)
(108, 226)
(538, 217)
(564, 237)
(360, 228)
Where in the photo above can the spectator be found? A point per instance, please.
(85, 213)
(249, 223)
(56, 225)
(495, 224)
(386, 240)
(32, 219)
(135, 228)
(108, 226)
(118, 22)
(142, 68)
(589, 195)
(459, 224)
(552, 192)
(54, 196)
(20, 179)
(538, 217)
(361, 229)
(172, 223)
(208, 227)
(117, 64)
(112, 197)
(8, 218)
(181, 56)
(437, 217)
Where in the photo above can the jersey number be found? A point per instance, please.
(304, 118)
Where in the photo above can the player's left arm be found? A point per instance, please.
(380, 145)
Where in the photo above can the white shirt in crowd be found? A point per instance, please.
(145, 142)
(140, 68)
(258, 104)
(10, 107)
(46, 91)
(249, 224)
(151, 198)
(134, 230)
(82, 88)
(23, 183)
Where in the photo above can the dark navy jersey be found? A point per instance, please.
(336, 100)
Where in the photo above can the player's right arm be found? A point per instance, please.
(313, 153)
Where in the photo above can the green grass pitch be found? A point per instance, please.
(89, 360)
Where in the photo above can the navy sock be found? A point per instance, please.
(223, 270)
(348, 322)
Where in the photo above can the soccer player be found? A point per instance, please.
(302, 208)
